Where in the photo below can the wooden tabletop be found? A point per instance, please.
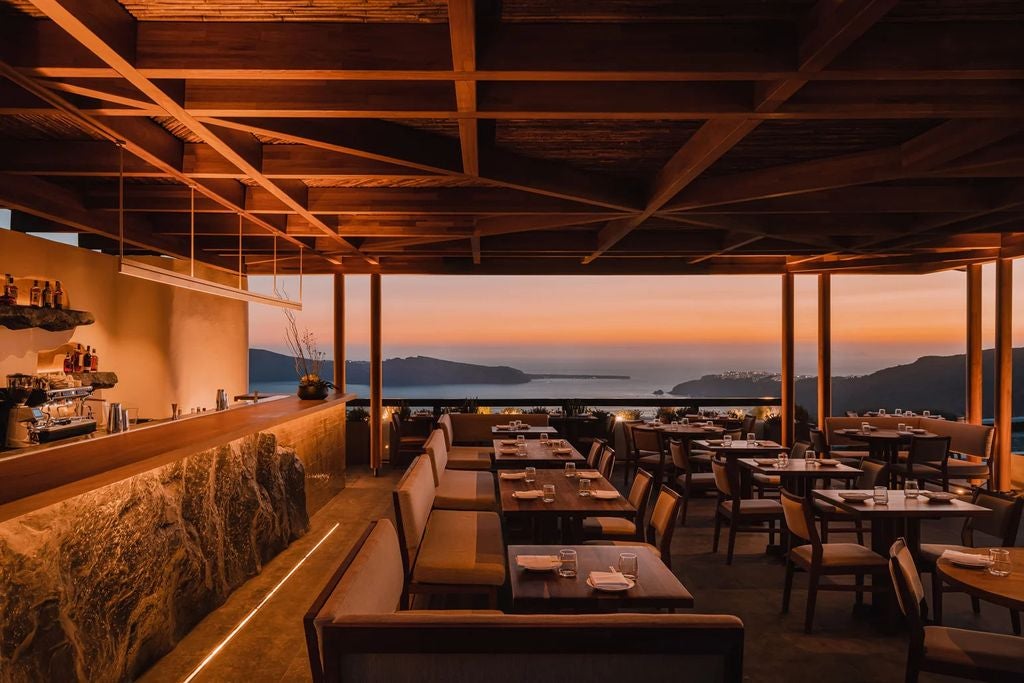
(537, 455)
(656, 586)
(799, 467)
(1007, 591)
(525, 430)
(882, 435)
(740, 446)
(567, 499)
(681, 430)
(901, 506)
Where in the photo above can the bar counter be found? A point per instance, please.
(39, 476)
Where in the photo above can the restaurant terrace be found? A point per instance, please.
(191, 145)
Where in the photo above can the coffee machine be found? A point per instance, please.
(37, 413)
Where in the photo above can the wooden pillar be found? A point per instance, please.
(824, 348)
(376, 379)
(973, 401)
(339, 333)
(1003, 371)
(788, 382)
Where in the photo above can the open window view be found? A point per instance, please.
(438, 340)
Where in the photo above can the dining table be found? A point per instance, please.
(798, 473)
(538, 454)
(738, 448)
(529, 431)
(1006, 591)
(568, 507)
(884, 444)
(656, 587)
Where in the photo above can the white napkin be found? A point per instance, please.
(562, 451)
(831, 462)
(966, 558)
(508, 442)
(528, 495)
(588, 474)
(508, 451)
(512, 475)
(601, 494)
(608, 580)
(537, 561)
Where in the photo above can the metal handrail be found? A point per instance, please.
(564, 403)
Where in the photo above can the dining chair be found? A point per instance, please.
(1003, 525)
(660, 529)
(620, 528)
(819, 443)
(807, 552)
(630, 450)
(742, 514)
(926, 457)
(872, 472)
(606, 463)
(649, 446)
(769, 483)
(944, 650)
(596, 448)
(748, 424)
(687, 481)
(403, 446)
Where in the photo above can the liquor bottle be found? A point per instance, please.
(87, 359)
(47, 296)
(95, 366)
(76, 358)
(35, 295)
(10, 291)
(68, 364)
(58, 297)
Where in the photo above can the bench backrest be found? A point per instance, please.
(370, 580)
(502, 648)
(413, 499)
(437, 451)
(473, 429)
(444, 423)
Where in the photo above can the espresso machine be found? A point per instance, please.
(37, 413)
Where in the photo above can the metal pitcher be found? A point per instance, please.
(222, 399)
(117, 419)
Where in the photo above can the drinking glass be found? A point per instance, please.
(881, 411)
(584, 487)
(685, 421)
(751, 439)
(901, 427)
(865, 427)
(567, 563)
(899, 411)
(570, 469)
(926, 413)
(562, 443)
(549, 493)
(544, 438)
(783, 459)
(674, 423)
(520, 439)
(809, 458)
(629, 565)
(531, 475)
(910, 489)
(521, 448)
(727, 440)
(881, 495)
(1001, 565)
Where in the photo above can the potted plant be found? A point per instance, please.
(308, 360)
(357, 436)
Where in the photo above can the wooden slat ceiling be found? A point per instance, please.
(522, 136)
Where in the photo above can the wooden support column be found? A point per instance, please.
(824, 348)
(788, 382)
(339, 333)
(1003, 403)
(974, 382)
(376, 379)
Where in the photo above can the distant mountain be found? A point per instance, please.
(936, 383)
(267, 366)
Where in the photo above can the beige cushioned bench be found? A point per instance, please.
(446, 551)
(473, 429)
(458, 489)
(464, 457)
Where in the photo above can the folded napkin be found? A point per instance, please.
(966, 558)
(528, 495)
(608, 580)
(508, 442)
(537, 561)
(512, 475)
(830, 462)
(588, 474)
(561, 451)
(508, 451)
(765, 461)
(602, 494)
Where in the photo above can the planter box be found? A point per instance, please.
(357, 443)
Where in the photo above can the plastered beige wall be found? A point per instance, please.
(166, 344)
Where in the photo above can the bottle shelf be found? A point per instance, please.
(50, 319)
(96, 380)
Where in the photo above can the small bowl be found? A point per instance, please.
(854, 496)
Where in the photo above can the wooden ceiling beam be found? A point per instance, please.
(462, 28)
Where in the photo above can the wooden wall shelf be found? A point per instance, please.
(96, 380)
(49, 319)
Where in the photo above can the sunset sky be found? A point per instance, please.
(710, 323)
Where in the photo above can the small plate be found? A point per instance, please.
(938, 496)
(917, 431)
(508, 442)
(971, 565)
(541, 566)
(854, 496)
(623, 589)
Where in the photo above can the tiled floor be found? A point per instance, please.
(846, 646)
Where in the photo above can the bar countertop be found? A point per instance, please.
(35, 477)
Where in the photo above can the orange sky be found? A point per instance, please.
(876, 319)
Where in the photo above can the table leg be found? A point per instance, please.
(883, 535)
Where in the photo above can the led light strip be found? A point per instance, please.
(220, 646)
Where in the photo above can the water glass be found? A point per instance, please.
(531, 475)
(901, 427)
(584, 487)
(629, 565)
(570, 469)
(865, 427)
(926, 413)
(881, 495)
(751, 439)
(899, 411)
(685, 421)
(783, 460)
(520, 439)
(1001, 565)
(881, 411)
(910, 489)
(674, 423)
(549, 493)
(521, 449)
(544, 438)
(567, 563)
(810, 460)
(727, 440)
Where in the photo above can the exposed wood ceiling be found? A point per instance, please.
(522, 136)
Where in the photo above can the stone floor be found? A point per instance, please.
(846, 646)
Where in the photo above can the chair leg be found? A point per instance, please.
(976, 605)
(787, 589)
(732, 541)
(824, 530)
(771, 532)
(860, 532)
(1015, 621)
(492, 599)
(718, 530)
(936, 599)
(859, 580)
(812, 598)
(686, 504)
